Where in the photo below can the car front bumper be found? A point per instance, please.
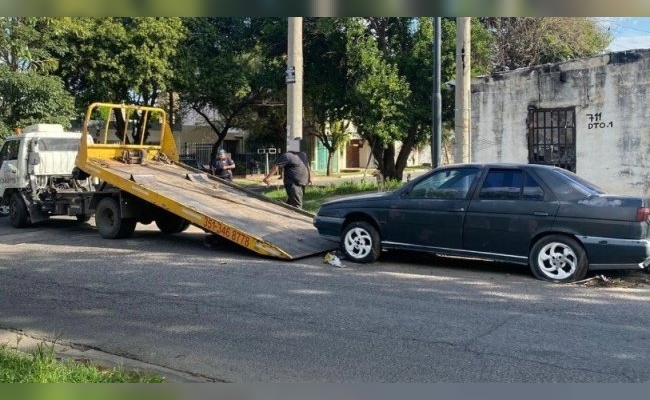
(329, 227)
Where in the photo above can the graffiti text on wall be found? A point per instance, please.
(596, 122)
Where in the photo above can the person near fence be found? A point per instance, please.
(222, 165)
(296, 175)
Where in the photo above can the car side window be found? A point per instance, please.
(510, 184)
(445, 184)
(532, 189)
(501, 185)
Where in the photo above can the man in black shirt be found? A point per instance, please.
(296, 175)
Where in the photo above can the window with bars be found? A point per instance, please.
(552, 137)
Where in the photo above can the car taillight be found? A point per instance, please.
(642, 214)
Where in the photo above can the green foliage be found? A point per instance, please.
(27, 44)
(29, 98)
(524, 42)
(326, 96)
(233, 65)
(41, 366)
(118, 59)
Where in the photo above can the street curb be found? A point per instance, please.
(28, 343)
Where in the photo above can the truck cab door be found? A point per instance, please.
(8, 170)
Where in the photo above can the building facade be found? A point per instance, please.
(591, 116)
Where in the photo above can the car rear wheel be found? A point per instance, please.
(558, 258)
(360, 242)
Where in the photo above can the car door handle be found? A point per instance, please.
(540, 213)
(456, 209)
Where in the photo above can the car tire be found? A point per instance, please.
(558, 258)
(109, 222)
(18, 216)
(360, 242)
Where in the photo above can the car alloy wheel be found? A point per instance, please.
(558, 258)
(360, 242)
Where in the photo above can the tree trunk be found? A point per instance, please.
(330, 155)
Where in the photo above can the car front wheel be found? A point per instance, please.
(360, 242)
(558, 258)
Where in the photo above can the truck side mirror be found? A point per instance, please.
(34, 159)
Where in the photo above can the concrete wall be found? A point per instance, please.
(616, 85)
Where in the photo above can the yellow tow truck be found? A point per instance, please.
(144, 183)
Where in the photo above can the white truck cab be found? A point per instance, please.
(36, 175)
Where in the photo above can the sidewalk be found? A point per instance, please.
(63, 351)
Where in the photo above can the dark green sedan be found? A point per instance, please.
(542, 216)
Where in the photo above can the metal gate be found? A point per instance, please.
(552, 137)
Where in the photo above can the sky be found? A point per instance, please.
(628, 33)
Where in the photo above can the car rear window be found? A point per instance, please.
(569, 186)
(58, 144)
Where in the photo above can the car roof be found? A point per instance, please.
(502, 165)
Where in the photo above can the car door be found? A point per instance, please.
(430, 213)
(509, 208)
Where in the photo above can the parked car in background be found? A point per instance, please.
(545, 217)
(192, 161)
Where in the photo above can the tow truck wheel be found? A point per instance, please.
(109, 222)
(83, 218)
(18, 216)
(170, 223)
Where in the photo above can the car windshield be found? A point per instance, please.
(577, 183)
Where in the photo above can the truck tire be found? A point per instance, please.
(109, 222)
(18, 216)
(170, 223)
(83, 217)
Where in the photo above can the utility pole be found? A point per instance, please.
(294, 84)
(462, 98)
(436, 135)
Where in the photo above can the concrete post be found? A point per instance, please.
(294, 84)
(462, 93)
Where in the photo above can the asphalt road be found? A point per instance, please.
(223, 314)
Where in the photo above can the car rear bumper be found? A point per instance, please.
(608, 253)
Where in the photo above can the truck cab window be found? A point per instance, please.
(9, 151)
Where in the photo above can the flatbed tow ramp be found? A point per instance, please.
(153, 174)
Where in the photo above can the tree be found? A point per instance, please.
(378, 92)
(391, 64)
(30, 98)
(326, 96)
(28, 94)
(231, 66)
(118, 60)
(524, 42)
